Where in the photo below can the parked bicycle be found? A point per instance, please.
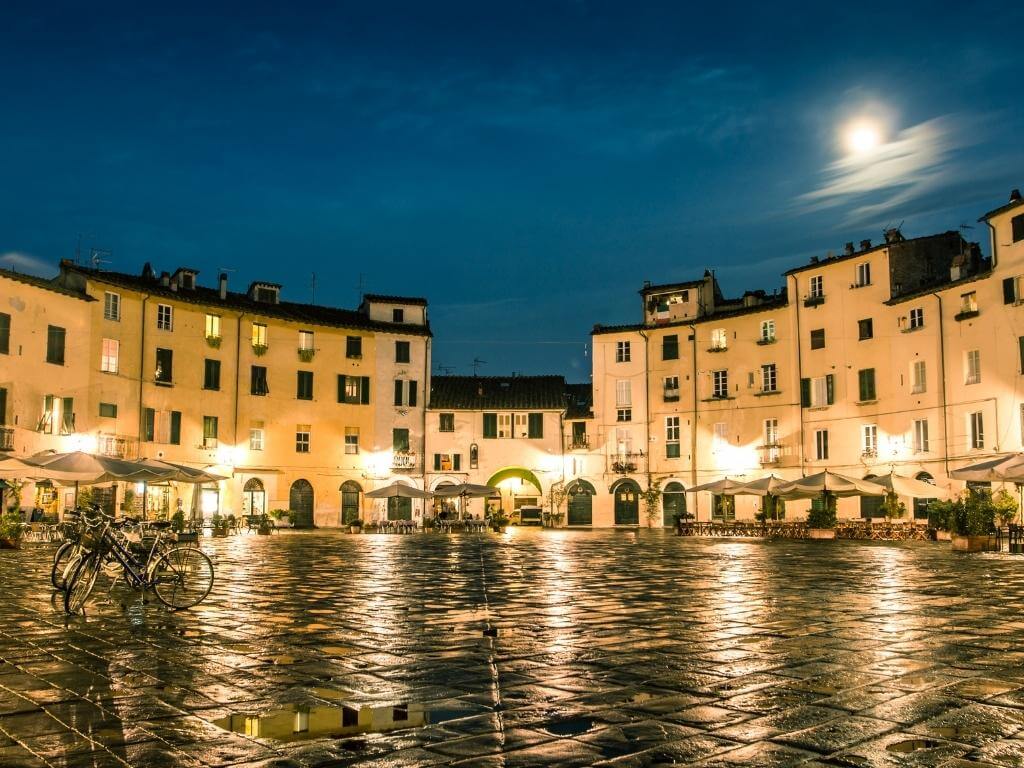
(179, 576)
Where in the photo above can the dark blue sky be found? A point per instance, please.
(524, 166)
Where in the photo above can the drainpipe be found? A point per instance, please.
(942, 389)
(238, 371)
(142, 363)
(647, 400)
(693, 419)
(794, 296)
(426, 400)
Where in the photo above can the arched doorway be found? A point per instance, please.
(921, 505)
(519, 485)
(580, 507)
(627, 502)
(871, 506)
(350, 498)
(300, 501)
(673, 504)
(254, 497)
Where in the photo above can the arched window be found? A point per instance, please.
(673, 504)
(350, 498)
(300, 501)
(921, 505)
(871, 506)
(254, 498)
(580, 505)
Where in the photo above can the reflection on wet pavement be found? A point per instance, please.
(532, 648)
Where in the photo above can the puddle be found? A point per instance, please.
(912, 745)
(954, 731)
(572, 727)
(281, 661)
(297, 723)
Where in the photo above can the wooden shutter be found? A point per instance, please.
(67, 415)
(5, 333)
(1020, 344)
(805, 393)
(148, 424)
(341, 387)
(364, 390)
(1017, 224)
(398, 392)
(535, 428)
(3, 405)
(456, 462)
(830, 388)
(412, 393)
(1009, 290)
(175, 428)
(437, 462)
(490, 425)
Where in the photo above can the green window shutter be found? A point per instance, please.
(5, 333)
(400, 439)
(67, 415)
(148, 424)
(535, 425)
(364, 390)
(867, 384)
(805, 393)
(1009, 291)
(1020, 345)
(437, 462)
(490, 425)
(830, 387)
(341, 387)
(398, 392)
(3, 405)
(412, 394)
(175, 427)
(457, 462)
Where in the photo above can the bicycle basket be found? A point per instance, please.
(91, 539)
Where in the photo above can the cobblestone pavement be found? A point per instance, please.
(530, 648)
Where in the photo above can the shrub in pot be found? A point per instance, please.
(1005, 507)
(279, 515)
(973, 522)
(355, 526)
(940, 515)
(821, 520)
(219, 525)
(11, 530)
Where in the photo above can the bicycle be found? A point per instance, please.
(180, 577)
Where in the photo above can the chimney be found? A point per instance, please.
(865, 245)
(1015, 196)
(165, 279)
(848, 249)
(223, 285)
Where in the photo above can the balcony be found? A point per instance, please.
(671, 396)
(6, 438)
(118, 446)
(718, 348)
(306, 354)
(403, 460)
(766, 340)
(770, 454)
(579, 443)
(815, 300)
(627, 463)
(966, 314)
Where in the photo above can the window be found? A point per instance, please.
(302, 438)
(767, 331)
(972, 365)
(256, 436)
(490, 425)
(865, 329)
(976, 430)
(624, 414)
(863, 274)
(259, 336)
(210, 431)
(918, 377)
(1020, 353)
(55, 344)
(446, 422)
(107, 411)
(258, 380)
(869, 440)
(670, 347)
(817, 392)
(519, 425)
(535, 426)
(109, 355)
(623, 393)
(623, 441)
(306, 341)
(400, 440)
(111, 306)
(769, 378)
(505, 425)
(916, 318)
(622, 353)
(447, 462)
(351, 440)
(818, 339)
(405, 392)
(671, 393)
(866, 385)
(5, 333)
(920, 435)
(771, 440)
(401, 351)
(969, 302)
(304, 385)
(720, 383)
(817, 287)
(164, 366)
(719, 436)
(821, 444)
(354, 347)
(165, 317)
(354, 390)
(1017, 228)
(718, 339)
(397, 315)
(672, 437)
(211, 374)
(212, 326)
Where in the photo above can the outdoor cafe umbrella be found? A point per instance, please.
(465, 491)
(1005, 469)
(829, 482)
(908, 486)
(80, 467)
(178, 473)
(723, 487)
(399, 491)
(764, 486)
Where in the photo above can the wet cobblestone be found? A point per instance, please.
(532, 648)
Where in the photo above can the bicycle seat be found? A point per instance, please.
(159, 525)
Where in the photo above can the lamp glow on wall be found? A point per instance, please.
(85, 443)
(227, 455)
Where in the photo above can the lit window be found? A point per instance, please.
(351, 440)
(108, 359)
(111, 306)
(164, 317)
(302, 438)
(256, 434)
(259, 335)
(306, 341)
(719, 339)
(213, 326)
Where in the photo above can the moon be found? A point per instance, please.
(862, 137)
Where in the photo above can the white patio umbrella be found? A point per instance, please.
(908, 486)
(465, 491)
(1001, 469)
(723, 487)
(829, 482)
(764, 486)
(398, 490)
(79, 467)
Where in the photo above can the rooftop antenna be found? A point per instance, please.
(360, 287)
(477, 362)
(445, 370)
(78, 246)
(95, 257)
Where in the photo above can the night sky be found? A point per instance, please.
(524, 166)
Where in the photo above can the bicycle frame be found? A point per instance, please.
(131, 566)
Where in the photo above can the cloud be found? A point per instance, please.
(917, 162)
(22, 262)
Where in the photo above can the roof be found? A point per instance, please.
(600, 329)
(904, 297)
(767, 304)
(314, 314)
(381, 298)
(579, 401)
(1002, 209)
(861, 254)
(484, 393)
(47, 284)
(671, 286)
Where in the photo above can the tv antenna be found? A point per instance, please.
(477, 362)
(96, 257)
(445, 370)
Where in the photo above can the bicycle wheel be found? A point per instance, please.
(182, 577)
(80, 583)
(61, 558)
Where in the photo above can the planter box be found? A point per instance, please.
(186, 536)
(219, 534)
(263, 531)
(821, 533)
(10, 544)
(943, 536)
(974, 543)
(355, 529)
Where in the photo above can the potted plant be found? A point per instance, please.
(651, 497)
(894, 508)
(213, 342)
(355, 526)
(1005, 507)
(219, 525)
(821, 520)
(265, 527)
(940, 512)
(280, 517)
(498, 522)
(974, 522)
(11, 529)
(128, 502)
(306, 355)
